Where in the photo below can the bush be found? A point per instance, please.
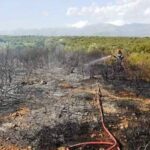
(141, 65)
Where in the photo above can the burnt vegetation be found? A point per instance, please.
(20, 85)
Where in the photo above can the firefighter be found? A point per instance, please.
(119, 56)
(119, 60)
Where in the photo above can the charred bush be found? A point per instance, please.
(138, 137)
(62, 134)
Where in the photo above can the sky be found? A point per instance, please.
(30, 14)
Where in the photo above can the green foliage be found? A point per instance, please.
(139, 58)
(21, 42)
(136, 50)
(141, 61)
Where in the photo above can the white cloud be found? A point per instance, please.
(120, 12)
(45, 13)
(117, 22)
(147, 11)
(72, 11)
(79, 24)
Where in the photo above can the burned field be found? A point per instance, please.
(48, 98)
(60, 110)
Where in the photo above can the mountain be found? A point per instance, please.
(101, 29)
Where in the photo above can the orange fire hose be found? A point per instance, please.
(113, 145)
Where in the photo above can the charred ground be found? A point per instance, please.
(47, 101)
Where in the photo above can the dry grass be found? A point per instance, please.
(65, 85)
(6, 146)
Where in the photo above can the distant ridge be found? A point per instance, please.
(101, 29)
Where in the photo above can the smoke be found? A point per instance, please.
(99, 61)
(93, 67)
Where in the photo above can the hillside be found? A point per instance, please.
(101, 29)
